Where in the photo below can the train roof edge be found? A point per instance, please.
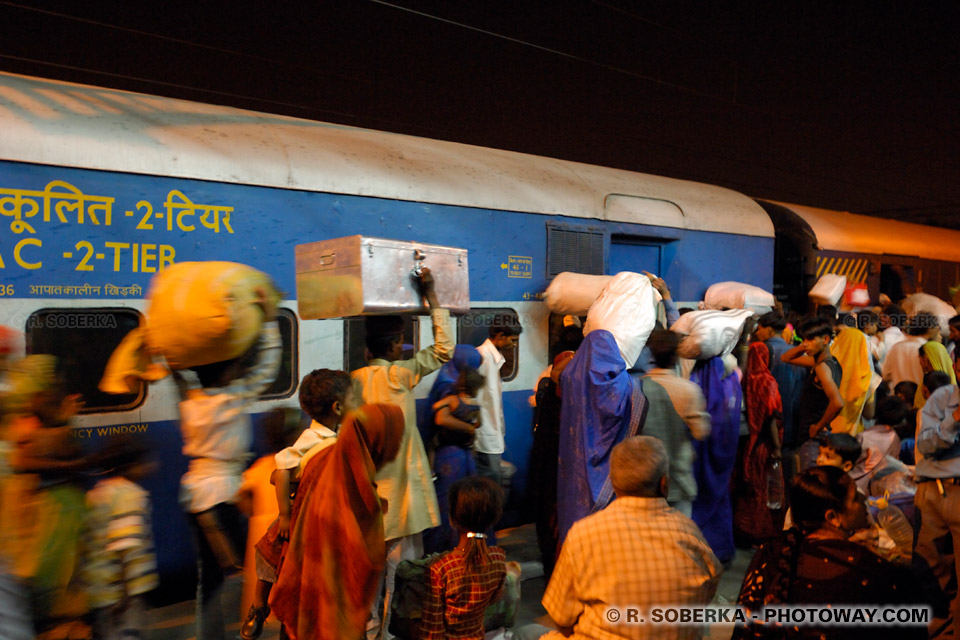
(855, 233)
(64, 124)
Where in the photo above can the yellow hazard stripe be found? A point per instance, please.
(854, 269)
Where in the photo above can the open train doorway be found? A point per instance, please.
(897, 281)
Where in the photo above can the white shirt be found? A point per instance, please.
(903, 362)
(891, 336)
(490, 434)
(216, 429)
(315, 434)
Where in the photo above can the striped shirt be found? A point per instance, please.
(119, 557)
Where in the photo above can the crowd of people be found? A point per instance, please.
(377, 522)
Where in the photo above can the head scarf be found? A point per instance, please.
(852, 351)
(464, 357)
(336, 553)
(762, 397)
(940, 361)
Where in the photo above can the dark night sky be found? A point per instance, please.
(843, 105)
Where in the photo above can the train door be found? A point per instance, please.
(634, 254)
(897, 280)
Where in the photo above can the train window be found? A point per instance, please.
(355, 341)
(83, 341)
(576, 248)
(474, 328)
(288, 375)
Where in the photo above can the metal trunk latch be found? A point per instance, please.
(419, 257)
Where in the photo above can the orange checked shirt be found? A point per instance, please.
(638, 552)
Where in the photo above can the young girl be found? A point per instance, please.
(119, 566)
(465, 581)
(456, 416)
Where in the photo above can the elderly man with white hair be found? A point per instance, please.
(638, 553)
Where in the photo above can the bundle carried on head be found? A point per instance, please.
(709, 333)
(199, 313)
(917, 302)
(573, 293)
(737, 295)
(829, 289)
(627, 309)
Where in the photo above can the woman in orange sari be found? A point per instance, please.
(337, 552)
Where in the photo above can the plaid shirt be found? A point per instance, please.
(458, 597)
(638, 552)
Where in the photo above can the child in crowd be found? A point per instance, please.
(465, 581)
(839, 450)
(820, 400)
(457, 416)
(257, 497)
(878, 442)
(882, 436)
(458, 413)
(119, 565)
(906, 390)
(326, 396)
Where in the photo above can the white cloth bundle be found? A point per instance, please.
(917, 302)
(573, 293)
(709, 333)
(626, 308)
(829, 289)
(737, 295)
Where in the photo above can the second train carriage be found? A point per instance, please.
(889, 256)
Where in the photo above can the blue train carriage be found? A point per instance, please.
(891, 257)
(101, 189)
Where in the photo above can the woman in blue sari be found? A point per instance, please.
(452, 461)
(717, 454)
(601, 405)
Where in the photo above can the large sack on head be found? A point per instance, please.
(917, 302)
(573, 293)
(829, 289)
(199, 313)
(737, 295)
(626, 308)
(206, 312)
(709, 333)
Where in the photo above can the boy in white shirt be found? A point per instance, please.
(326, 396)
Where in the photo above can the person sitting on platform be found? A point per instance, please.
(638, 552)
